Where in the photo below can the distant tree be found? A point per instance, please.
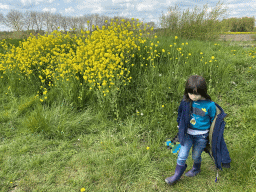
(151, 24)
(64, 23)
(81, 23)
(1, 18)
(14, 20)
(47, 20)
(55, 21)
(199, 24)
(38, 19)
(74, 22)
(28, 20)
(171, 19)
(96, 20)
(88, 19)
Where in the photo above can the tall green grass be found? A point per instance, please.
(58, 147)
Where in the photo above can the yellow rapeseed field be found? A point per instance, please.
(101, 59)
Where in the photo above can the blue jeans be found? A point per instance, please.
(199, 143)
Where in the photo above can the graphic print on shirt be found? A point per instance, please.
(199, 112)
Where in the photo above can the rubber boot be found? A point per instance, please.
(194, 171)
(178, 173)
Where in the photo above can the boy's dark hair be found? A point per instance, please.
(196, 85)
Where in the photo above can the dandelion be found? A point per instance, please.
(176, 37)
(147, 148)
(213, 57)
(162, 105)
(163, 50)
(201, 53)
(170, 45)
(83, 189)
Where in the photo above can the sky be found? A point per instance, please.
(145, 10)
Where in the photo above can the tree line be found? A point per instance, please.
(31, 20)
(203, 24)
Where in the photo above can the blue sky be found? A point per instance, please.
(145, 10)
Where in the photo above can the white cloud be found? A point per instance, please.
(69, 10)
(251, 5)
(52, 10)
(129, 6)
(120, 1)
(4, 6)
(170, 2)
(87, 5)
(142, 7)
(24, 2)
(98, 9)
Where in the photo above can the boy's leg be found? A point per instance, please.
(181, 161)
(184, 150)
(199, 143)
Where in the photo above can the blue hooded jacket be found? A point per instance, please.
(217, 147)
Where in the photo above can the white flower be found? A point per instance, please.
(141, 114)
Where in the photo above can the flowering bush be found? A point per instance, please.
(98, 62)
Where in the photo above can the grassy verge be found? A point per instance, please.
(129, 154)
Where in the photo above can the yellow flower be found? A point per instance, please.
(162, 105)
(201, 53)
(147, 148)
(163, 50)
(83, 189)
(176, 37)
(213, 57)
(189, 54)
(170, 45)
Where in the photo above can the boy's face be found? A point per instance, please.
(194, 97)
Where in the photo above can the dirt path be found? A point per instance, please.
(237, 37)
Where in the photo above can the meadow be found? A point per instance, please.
(92, 112)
